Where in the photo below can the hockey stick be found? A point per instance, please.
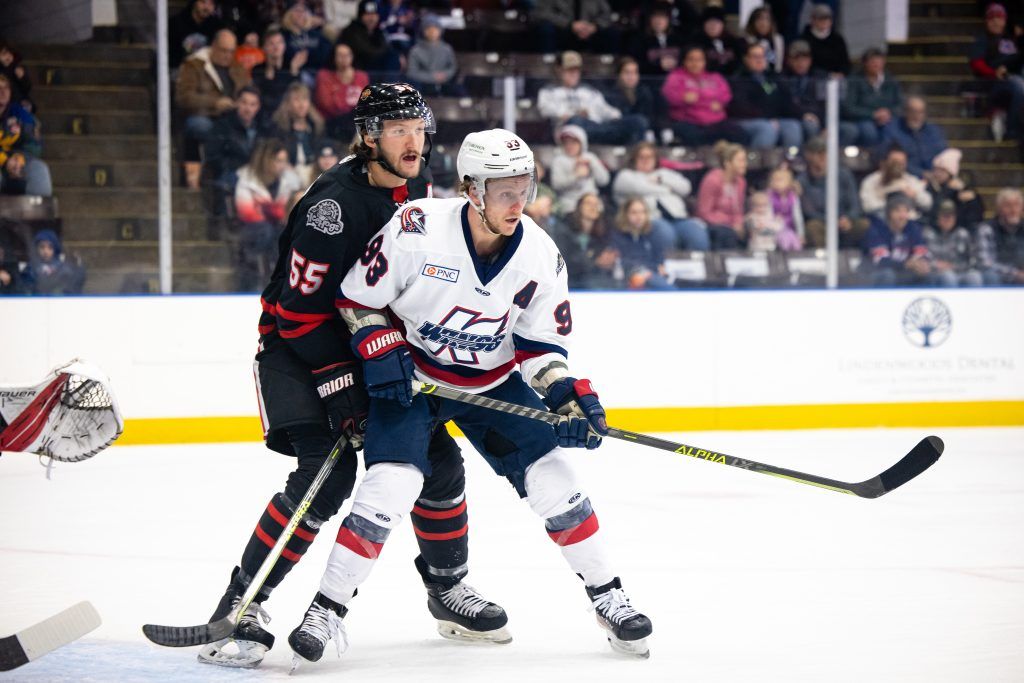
(920, 458)
(31, 643)
(187, 636)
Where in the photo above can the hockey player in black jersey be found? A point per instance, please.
(311, 390)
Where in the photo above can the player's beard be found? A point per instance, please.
(393, 163)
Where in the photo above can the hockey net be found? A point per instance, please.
(71, 416)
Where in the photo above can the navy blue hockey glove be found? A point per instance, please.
(340, 387)
(387, 364)
(577, 399)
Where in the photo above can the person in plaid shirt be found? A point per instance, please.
(951, 249)
(1000, 242)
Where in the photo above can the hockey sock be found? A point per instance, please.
(442, 532)
(554, 494)
(385, 496)
(265, 535)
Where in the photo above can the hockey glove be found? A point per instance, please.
(340, 387)
(577, 399)
(387, 364)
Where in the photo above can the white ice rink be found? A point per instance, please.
(746, 577)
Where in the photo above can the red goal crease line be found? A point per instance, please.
(179, 430)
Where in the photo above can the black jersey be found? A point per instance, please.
(327, 231)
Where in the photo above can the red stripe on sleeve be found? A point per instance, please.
(297, 317)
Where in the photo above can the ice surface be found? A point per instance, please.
(745, 577)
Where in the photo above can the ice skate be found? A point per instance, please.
(462, 613)
(627, 628)
(248, 643)
(322, 623)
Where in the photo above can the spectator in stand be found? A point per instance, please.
(631, 96)
(10, 273)
(584, 242)
(542, 211)
(852, 224)
(872, 101)
(721, 49)
(784, 196)
(761, 224)
(570, 102)
(191, 30)
(584, 25)
(249, 53)
(951, 249)
(337, 15)
(231, 143)
(208, 83)
(302, 35)
(658, 49)
(828, 47)
(892, 178)
(265, 186)
(337, 93)
(372, 51)
(683, 14)
(398, 21)
(806, 88)
(697, 101)
(575, 171)
(996, 56)
(944, 182)
(665, 192)
(327, 158)
(895, 247)
(432, 67)
(1000, 242)
(763, 106)
(921, 140)
(722, 197)
(299, 126)
(273, 77)
(761, 30)
(24, 171)
(21, 84)
(642, 260)
(50, 270)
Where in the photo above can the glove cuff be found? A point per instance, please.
(583, 387)
(376, 341)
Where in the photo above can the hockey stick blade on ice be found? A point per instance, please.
(35, 641)
(920, 458)
(188, 636)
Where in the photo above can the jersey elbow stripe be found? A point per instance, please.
(296, 317)
(299, 331)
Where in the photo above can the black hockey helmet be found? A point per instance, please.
(390, 102)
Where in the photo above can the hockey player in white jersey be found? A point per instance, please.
(477, 299)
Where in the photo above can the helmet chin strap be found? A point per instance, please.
(480, 211)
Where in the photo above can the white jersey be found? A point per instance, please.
(467, 323)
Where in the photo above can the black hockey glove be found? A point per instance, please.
(340, 386)
(387, 363)
(577, 399)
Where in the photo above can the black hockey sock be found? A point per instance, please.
(442, 531)
(265, 535)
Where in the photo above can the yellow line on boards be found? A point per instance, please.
(173, 430)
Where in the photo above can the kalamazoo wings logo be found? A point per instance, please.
(464, 333)
(412, 221)
(325, 216)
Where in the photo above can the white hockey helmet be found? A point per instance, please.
(495, 153)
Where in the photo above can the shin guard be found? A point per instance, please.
(442, 532)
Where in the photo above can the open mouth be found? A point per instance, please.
(410, 158)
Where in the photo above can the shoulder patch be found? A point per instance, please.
(412, 221)
(325, 216)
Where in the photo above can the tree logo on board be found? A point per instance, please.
(927, 322)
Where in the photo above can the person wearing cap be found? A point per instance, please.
(873, 99)
(895, 248)
(952, 249)
(302, 35)
(571, 102)
(762, 104)
(890, 178)
(370, 46)
(999, 243)
(995, 56)
(828, 47)
(852, 224)
(587, 26)
(806, 87)
(337, 92)
(912, 131)
(431, 66)
(722, 48)
(944, 182)
(326, 157)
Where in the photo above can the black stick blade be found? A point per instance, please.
(187, 636)
(923, 456)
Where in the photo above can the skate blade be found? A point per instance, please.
(249, 654)
(453, 631)
(632, 648)
(296, 663)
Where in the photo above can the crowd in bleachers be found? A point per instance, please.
(264, 91)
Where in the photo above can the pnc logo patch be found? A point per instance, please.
(441, 273)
